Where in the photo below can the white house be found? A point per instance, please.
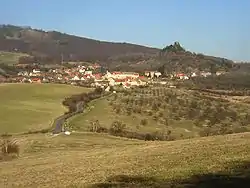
(36, 71)
(206, 74)
(81, 70)
(75, 78)
(122, 75)
(133, 83)
(88, 72)
(193, 74)
(111, 81)
(108, 88)
(157, 74)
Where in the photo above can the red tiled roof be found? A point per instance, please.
(127, 84)
(35, 79)
(116, 72)
(120, 80)
(181, 74)
(98, 74)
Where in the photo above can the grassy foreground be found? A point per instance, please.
(28, 107)
(98, 160)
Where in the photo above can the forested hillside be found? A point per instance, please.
(51, 47)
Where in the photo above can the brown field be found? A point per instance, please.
(83, 159)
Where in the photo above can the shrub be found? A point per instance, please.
(96, 127)
(9, 148)
(165, 121)
(144, 122)
(240, 130)
(149, 137)
(155, 118)
(118, 110)
(117, 127)
(205, 132)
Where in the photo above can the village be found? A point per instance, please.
(93, 76)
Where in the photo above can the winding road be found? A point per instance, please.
(58, 122)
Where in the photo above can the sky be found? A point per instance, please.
(213, 27)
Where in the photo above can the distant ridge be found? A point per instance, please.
(50, 46)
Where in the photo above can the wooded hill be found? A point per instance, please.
(51, 47)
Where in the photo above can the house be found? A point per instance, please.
(220, 73)
(81, 70)
(107, 88)
(205, 74)
(111, 81)
(96, 66)
(97, 76)
(163, 82)
(142, 83)
(36, 71)
(45, 80)
(157, 74)
(152, 74)
(75, 78)
(147, 73)
(122, 75)
(23, 73)
(133, 83)
(172, 86)
(120, 81)
(2, 79)
(182, 76)
(126, 85)
(88, 72)
(193, 74)
(36, 80)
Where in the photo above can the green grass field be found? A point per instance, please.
(28, 107)
(83, 159)
(10, 58)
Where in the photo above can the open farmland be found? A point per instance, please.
(168, 113)
(83, 159)
(10, 58)
(29, 107)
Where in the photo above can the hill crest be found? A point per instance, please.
(49, 46)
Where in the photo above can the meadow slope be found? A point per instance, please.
(28, 107)
(169, 114)
(88, 159)
(10, 58)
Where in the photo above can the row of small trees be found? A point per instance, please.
(118, 128)
(71, 102)
(231, 81)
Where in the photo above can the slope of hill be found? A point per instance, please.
(52, 44)
(83, 159)
(172, 58)
(29, 107)
(160, 113)
(10, 58)
(51, 47)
